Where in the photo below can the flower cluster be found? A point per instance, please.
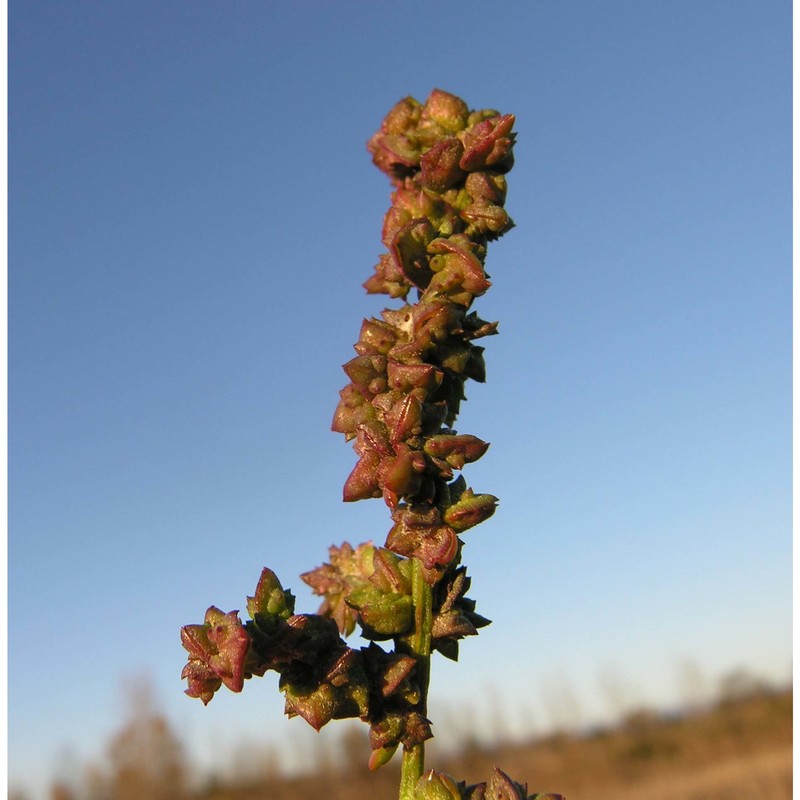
(447, 165)
(370, 586)
(407, 380)
(320, 676)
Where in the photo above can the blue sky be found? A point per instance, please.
(192, 211)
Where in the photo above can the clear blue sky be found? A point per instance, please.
(192, 212)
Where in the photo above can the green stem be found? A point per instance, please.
(414, 757)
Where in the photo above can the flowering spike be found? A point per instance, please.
(447, 165)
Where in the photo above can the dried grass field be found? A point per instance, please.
(736, 749)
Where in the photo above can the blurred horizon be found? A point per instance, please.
(147, 757)
(192, 212)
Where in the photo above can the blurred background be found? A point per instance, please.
(192, 212)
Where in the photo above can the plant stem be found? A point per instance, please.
(414, 757)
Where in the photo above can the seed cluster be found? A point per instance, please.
(448, 167)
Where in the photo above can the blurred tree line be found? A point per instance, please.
(748, 722)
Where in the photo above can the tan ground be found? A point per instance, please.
(739, 750)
